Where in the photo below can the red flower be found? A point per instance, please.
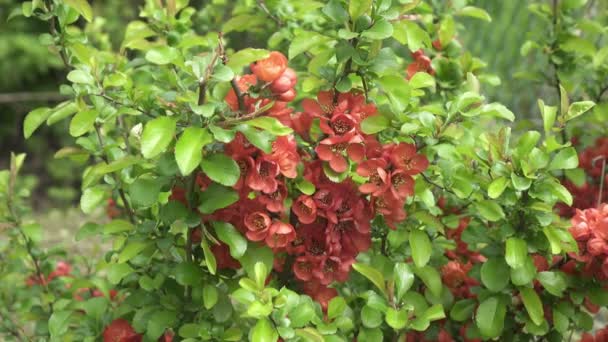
(345, 239)
(280, 234)
(258, 225)
(305, 209)
(274, 202)
(332, 150)
(332, 268)
(302, 268)
(390, 207)
(285, 155)
(263, 176)
(379, 179)
(454, 274)
(402, 184)
(404, 157)
(244, 82)
(285, 82)
(320, 293)
(338, 125)
(167, 336)
(223, 257)
(270, 68)
(420, 63)
(444, 336)
(119, 330)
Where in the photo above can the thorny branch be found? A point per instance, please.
(233, 83)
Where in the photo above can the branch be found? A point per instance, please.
(42, 96)
(428, 180)
(365, 89)
(262, 5)
(233, 83)
(121, 192)
(601, 93)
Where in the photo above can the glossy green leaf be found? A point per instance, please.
(59, 323)
(404, 279)
(34, 119)
(221, 169)
(209, 256)
(516, 252)
(396, 319)
(490, 210)
(188, 273)
(157, 136)
(564, 159)
(490, 317)
(216, 197)
(475, 12)
(497, 187)
(577, 109)
(431, 278)
(243, 58)
(462, 310)
(553, 281)
(162, 55)
(230, 236)
(381, 29)
(92, 198)
(374, 124)
(269, 124)
(495, 274)
(421, 247)
(372, 274)
(83, 7)
(263, 331)
(189, 148)
(357, 8)
(82, 122)
(533, 305)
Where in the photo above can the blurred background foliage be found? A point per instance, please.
(31, 73)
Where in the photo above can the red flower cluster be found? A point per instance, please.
(586, 195)
(600, 336)
(120, 330)
(455, 276)
(590, 230)
(272, 80)
(62, 269)
(421, 63)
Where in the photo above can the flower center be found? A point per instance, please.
(341, 126)
(339, 147)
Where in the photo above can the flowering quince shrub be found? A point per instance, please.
(348, 183)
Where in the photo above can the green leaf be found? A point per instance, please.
(498, 111)
(304, 41)
(302, 314)
(422, 80)
(34, 119)
(118, 271)
(357, 8)
(223, 73)
(380, 30)
(62, 111)
(260, 139)
(263, 331)
(553, 282)
(131, 250)
(397, 90)
(533, 305)
(462, 310)
(83, 122)
(447, 29)
(525, 274)
(82, 7)
(548, 113)
(404, 279)
(255, 254)
(59, 323)
(230, 236)
(306, 187)
(162, 55)
(117, 226)
(372, 274)
(396, 319)
(408, 32)
(495, 274)
(370, 317)
(189, 148)
(421, 247)
(334, 10)
(209, 256)
(92, 198)
(310, 335)
(520, 183)
(88, 229)
(188, 273)
(497, 187)
(210, 296)
(217, 197)
(475, 12)
(33, 231)
(244, 57)
(221, 169)
(374, 124)
(270, 124)
(490, 317)
(431, 278)
(516, 252)
(157, 136)
(80, 76)
(564, 159)
(144, 192)
(490, 210)
(336, 307)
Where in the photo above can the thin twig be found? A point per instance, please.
(262, 5)
(233, 83)
(121, 192)
(428, 180)
(42, 96)
(600, 194)
(364, 82)
(601, 93)
(55, 33)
